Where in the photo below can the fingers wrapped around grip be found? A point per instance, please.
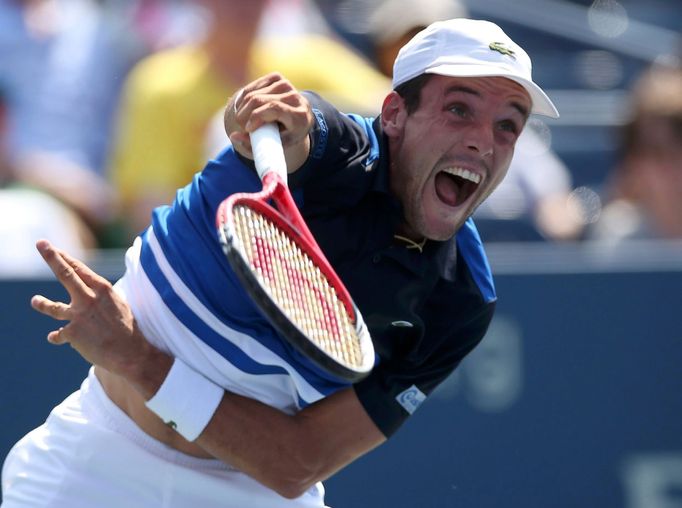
(270, 99)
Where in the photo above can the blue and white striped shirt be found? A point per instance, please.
(189, 302)
(424, 310)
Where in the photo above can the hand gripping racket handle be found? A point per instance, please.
(268, 153)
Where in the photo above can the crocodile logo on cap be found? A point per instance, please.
(500, 47)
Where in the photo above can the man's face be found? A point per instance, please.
(453, 151)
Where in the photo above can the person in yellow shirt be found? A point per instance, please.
(171, 96)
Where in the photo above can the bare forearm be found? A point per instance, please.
(288, 453)
(260, 441)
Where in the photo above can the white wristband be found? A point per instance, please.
(186, 400)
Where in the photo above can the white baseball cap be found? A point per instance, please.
(469, 48)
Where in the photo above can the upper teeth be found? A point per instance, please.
(464, 173)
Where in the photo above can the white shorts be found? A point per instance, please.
(89, 454)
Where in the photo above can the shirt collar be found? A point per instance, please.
(381, 166)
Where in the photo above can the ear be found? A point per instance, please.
(393, 115)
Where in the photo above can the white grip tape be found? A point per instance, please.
(186, 400)
(268, 153)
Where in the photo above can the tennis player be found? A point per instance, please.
(193, 400)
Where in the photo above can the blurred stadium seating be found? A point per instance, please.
(587, 54)
(590, 412)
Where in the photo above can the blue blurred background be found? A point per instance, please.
(574, 398)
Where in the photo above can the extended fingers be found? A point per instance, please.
(86, 274)
(56, 310)
(57, 337)
(65, 273)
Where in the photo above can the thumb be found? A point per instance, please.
(57, 337)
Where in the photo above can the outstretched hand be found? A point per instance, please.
(101, 326)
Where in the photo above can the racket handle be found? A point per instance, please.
(268, 153)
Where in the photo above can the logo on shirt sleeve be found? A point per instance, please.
(321, 145)
(411, 399)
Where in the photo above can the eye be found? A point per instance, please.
(460, 110)
(509, 126)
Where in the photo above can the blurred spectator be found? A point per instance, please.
(532, 203)
(28, 215)
(62, 65)
(394, 22)
(6, 170)
(644, 191)
(160, 24)
(171, 97)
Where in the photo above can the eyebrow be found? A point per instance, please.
(465, 89)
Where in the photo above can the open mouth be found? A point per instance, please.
(455, 185)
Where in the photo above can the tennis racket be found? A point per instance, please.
(282, 268)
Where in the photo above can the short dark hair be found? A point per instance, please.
(411, 91)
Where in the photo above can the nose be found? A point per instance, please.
(480, 139)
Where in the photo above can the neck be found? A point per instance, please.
(407, 235)
(406, 231)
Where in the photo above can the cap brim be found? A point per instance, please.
(542, 104)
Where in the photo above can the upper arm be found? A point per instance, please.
(416, 359)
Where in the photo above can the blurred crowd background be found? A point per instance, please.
(107, 107)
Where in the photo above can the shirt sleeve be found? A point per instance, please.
(339, 147)
(401, 382)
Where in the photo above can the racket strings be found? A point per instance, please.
(298, 287)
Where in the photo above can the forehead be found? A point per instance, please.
(498, 88)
